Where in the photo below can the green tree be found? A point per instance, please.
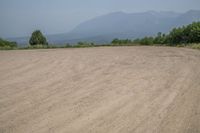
(38, 38)
(184, 35)
(147, 41)
(136, 41)
(115, 41)
(193, 32)
(176, 36)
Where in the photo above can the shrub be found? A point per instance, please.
(84, 44)
(195, 46)
(37, 38)
(4, 44)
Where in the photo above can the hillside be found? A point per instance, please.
(104, 28)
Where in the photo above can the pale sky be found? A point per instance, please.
(20, 17)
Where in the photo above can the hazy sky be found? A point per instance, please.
(21, 17)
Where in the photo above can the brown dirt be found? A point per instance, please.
(100, 90)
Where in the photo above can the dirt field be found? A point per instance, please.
(100, 90)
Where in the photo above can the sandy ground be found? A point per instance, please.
(100, 90)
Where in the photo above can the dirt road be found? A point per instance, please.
(100, 90)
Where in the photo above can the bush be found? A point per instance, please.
(84, 44)
(180, 36)
(118, 42)
(4, 44)
(147, 41)
(37, 38)
(185, 35)
(195, 46)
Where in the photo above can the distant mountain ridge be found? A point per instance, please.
(122, 25)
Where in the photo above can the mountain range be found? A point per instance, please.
(121, 25)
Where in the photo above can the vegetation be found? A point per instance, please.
(38, 38)
(178, 36)
(194, 46)
(188, 36)
(4, 44)
(83, 44)
(117, 41)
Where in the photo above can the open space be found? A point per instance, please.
(100, 90)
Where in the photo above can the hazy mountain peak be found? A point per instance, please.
(117, 13)
(104, 28)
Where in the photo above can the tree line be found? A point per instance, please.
(177, 36)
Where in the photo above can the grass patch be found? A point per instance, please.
(195, 46)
